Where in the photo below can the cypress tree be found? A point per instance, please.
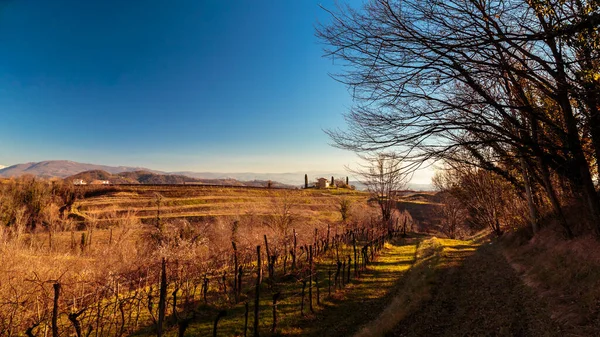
(306, 181)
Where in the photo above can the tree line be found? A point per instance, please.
(506, 94)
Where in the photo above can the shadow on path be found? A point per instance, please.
(477, 293)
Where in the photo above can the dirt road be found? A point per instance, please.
(478, 294)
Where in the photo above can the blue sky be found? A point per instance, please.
(227, 86)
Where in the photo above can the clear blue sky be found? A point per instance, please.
(225, 86)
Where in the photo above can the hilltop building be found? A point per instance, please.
(79, 182)
(100, 182)
(322, 183)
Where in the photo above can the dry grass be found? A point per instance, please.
(415, 288)
(121, 245)
(564, 273)
(203, 202)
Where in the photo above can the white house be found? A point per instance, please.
(322, 183)
(79, 182)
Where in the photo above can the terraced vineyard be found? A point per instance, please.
(198, 203)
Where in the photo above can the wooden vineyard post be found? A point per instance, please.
(205, 289)
(372, 251)
(343, 272)
(174, 293)
(235, 272)
(83, 242)
(268, 259)
(275, 299)
(246, 319)
(310, 276)
(355, 255)
(239, 282)
(224, 279)
(349, 268)
(302, 298)
(294, 251)
(221, 314)
(327, 240)
(163, 297)
(257, 291)
(56, 287)
(285, 256)
(271, 266)
(337, 274)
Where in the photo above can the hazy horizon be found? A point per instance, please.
(421, 177)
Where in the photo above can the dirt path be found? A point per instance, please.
(478, 294)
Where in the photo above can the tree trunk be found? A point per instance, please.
(532, 209)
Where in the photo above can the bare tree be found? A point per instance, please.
(452, 211)
(344, 205)
(282, 216)
(499, 80)
(383, 175)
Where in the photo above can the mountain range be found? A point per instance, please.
(62, 169)
(146, 177)
(66, 168)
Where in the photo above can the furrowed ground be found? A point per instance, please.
(209, 203)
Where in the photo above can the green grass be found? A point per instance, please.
(417, 284)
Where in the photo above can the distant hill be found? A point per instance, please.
(291, 178)
(61, 169)
(65, 168)
(145, 177)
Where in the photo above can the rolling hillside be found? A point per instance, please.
(146, 177)
(61, 169)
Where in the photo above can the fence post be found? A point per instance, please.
(327, 240)
(310, 276)
(55, 309)
(294, 251)
(285, 257)
(302, 298)
(268, 258)
(163, 297)
(239, 282)
(246, 320)
(337, 274)
(235, 270)
(257, 290)
(349, 268)
(343, 272)
(317, 285)
(275, 299)
(221, 314)
(205, 289)
(355, 255)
